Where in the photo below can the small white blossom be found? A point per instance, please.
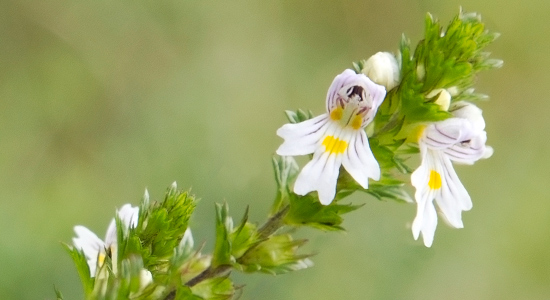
(458, 139)
(382, 68)
(337, 137)
(93, 247)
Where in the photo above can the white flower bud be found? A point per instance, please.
(145, 278)
(383, 69)
(443, 100)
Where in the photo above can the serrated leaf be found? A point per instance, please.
(285, 169)
(162, 226)
(218, 288)
(307, 210)
(276, 255)
(389, 192)
(222, 247)
(82, 268)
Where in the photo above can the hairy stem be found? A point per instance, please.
(270, 227)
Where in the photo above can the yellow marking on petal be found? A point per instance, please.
(334, 145)
(435, 180)
(336, 114)
(356, 122)
(416, 134)
(101, 259)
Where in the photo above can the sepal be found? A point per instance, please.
(277, 255)
(285, 169)
(307, 210)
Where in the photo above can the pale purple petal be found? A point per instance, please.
(470, 112)
(471, 149)
(345, 78)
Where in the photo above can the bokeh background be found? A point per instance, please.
(102, 99)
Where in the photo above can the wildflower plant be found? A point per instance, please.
(378, 114)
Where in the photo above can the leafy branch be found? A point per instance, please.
(156, 257)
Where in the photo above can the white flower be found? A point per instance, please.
(458, 139)
(382, 68)
(93, 247)
(337, 137)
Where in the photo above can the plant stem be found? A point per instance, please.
(270, 227)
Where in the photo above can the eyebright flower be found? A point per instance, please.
(337, 137)
(382, 68)
(93, 247)
(458, 139)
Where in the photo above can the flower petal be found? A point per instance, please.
(428, 223)
(128, 215)
(453, 189)
(427, 181)
(87, 241)
(321, 173)
(90, 244)
(302, 138)
(470, 150)
(469, 111)
(111, 235)
(348, 79)
(359, 161)
(444, 134)
(345, 78)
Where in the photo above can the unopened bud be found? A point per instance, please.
(145, 278)
(443, 98)
(383, 69)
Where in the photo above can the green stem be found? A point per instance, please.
(270, 227)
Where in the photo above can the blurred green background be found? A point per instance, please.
(101, 99)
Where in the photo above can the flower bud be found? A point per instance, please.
(443, 98)
(383, 69)
(145, 278)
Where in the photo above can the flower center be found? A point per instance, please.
(435, 180)
(334, 145)
(348, 115)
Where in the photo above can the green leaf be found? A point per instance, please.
(307, 210)
(298, 116)
(244, 237)
(276, 255)
(286, 169)
(58, 294)
(218, 288)
(184, 293)
(224, 225)
(161, 227)
(82, 268)
(389, 192)
(183, 251)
